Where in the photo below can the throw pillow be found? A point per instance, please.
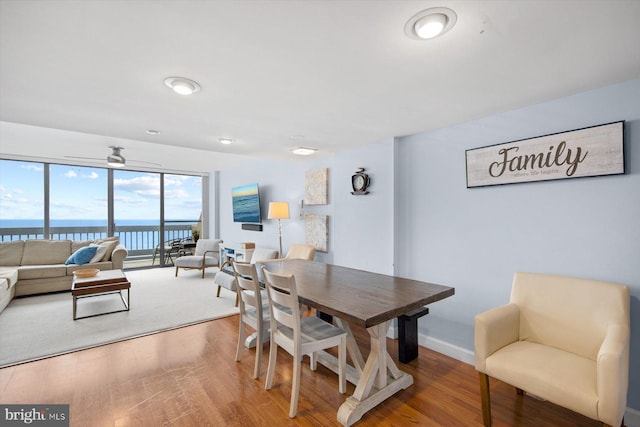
(100, 252)
(77, 244)
(110, 243)
(82, 255)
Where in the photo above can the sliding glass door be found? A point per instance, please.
(150, 212)
(136, 215)
(73, 217)
(22, 200)
(155, 215)
(183, 209)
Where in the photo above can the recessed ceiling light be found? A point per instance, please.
(225, 141)
(303, 151)
(430, 23)
(182, 85)
(153, 132)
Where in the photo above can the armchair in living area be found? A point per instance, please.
(299, 251)
(562, 339)
(206, 255)
(226, 277)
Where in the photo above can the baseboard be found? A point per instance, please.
(443, 347)
(632, 417)
(448, 349)
(393, 331)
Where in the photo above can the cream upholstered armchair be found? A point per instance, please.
(207, 254)
(560, 338)
(299, 251)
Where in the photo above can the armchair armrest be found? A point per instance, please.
(118, 256)
(204, 256)
(613, 374)
(226, 267)
(495, 329)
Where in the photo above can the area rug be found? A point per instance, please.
(41, 326)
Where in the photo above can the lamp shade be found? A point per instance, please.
(278, 210)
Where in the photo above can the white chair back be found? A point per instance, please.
(262, 254)
(248, 286)
(283, 302)
(207, 245)
(297, 335)
(253, 311)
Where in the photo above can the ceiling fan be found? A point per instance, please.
(115, 159)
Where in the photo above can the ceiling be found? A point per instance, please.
(276, 75)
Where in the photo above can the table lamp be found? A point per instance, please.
(279, 210)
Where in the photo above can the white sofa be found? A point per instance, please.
(30, 267)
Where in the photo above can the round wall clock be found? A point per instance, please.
(360, 181)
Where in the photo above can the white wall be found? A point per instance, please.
(360, 236)
(363, 225)
(277, 182)
(475, 239)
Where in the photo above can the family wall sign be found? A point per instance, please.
(591, 151)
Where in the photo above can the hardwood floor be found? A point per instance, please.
(188, 377)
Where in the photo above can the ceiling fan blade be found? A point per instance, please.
(84, 158)
(142, 161)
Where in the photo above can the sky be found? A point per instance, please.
(81, 193)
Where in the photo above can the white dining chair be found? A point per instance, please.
(224, 279)
(298, 336)
(254, 310)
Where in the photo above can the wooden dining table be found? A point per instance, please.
(370, 300)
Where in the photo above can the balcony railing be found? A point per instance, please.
(140, 240)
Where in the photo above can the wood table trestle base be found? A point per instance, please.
(376, 380)
(356, 297)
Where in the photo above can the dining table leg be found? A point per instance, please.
(352, 348)
(379, 380)
(355, 368)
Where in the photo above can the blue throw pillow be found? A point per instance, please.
(82, 255)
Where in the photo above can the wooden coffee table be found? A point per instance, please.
(106, 282)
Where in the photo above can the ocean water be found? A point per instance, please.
(142, 240)
(246, 208)
(26, 223)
